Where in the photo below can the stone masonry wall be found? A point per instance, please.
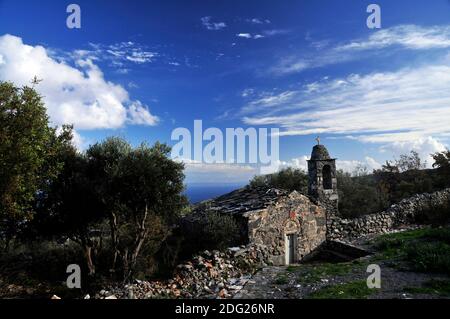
(295, 214)
(403, 213)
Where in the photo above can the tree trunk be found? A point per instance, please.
(114, 240)
(131, 264)
(88, 256)
(139, 241)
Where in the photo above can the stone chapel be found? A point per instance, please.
(291, 225)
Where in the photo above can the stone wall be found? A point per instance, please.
(294, 214)
(404, 213)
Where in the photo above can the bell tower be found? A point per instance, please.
(322, 184)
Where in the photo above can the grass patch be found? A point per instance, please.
(293, 268)
(432, 257)
(317, 272)
(424, 250)
(281, 280)
(432, 287)
(350, 290)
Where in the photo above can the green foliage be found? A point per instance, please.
(442, 164)
(403, 178)
(141, 190)
(434, 214)
(151, 187)
(281, 280)
(29, 155)
(357, 194)
(431, 257)
(350, 290)
(40, 267)
(362, 193)
(432, 287)
(288, 179)
(425, 250)
(211, 231)
(313, 274)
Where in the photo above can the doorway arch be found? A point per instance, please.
(327, 178)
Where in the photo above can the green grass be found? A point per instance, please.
(292, 268)
(432, 257)
(425, 250)
(432, 287)
(281, 280)
(350, 290)
(315, 273)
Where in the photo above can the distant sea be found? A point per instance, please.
(197, 192)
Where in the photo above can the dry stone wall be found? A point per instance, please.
(405, 212)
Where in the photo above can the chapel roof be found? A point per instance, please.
(320, 153)
(243, 200)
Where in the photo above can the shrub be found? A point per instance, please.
(429, 257)
(289, 179)
(210, 230)
(434, 214)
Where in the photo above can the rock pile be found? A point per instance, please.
(209, 275)
(403, 213)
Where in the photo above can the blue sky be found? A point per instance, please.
(140, 69)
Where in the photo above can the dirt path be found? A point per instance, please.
(305, 281)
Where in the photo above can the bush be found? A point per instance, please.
(215, 231)
(429, 257)
(425, 250)
(434, 214)
(289, 179)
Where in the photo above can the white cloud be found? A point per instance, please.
(118, 54)
(350, 166)
(409, 37)
(213, 26)
(229, 173)
(77, 94)
(404, 105)
(346, 165)
(259, 21)
(244, 35)
(139, 114)
(274, 32)
(423, 146)
(247, 92)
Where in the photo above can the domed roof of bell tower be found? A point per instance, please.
(320, 153)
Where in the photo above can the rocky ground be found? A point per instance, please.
(241, 273)
(399, 280)
(209, 275)
(293, 283)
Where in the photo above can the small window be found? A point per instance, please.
(327, 179)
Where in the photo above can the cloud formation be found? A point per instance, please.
(75, 94)
(407, 37)
(212, 26)
(231, 173)
(398, 106)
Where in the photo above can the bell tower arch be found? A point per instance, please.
(322, 184)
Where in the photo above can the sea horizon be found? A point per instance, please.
(198, 192)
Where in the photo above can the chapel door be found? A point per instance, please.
(290, 249)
